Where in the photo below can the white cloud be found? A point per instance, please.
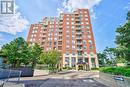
(13, 23)
(71, 5)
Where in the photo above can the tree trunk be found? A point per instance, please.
(33, 64)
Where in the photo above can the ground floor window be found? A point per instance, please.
(86, 60)
(93, 62)
(73, 61)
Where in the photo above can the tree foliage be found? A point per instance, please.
(18, 52)
(123, 39)
(102, 59)
(35, 54)
(51, 58)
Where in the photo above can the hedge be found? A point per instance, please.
(124, 71)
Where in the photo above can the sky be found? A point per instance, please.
(106, 16)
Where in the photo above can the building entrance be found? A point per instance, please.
(83, 66)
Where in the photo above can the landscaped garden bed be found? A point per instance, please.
(124, 71)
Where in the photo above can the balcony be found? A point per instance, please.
(60, 26)
(60, 34)
(60, 30)
(43, 35)
(78, 33)
(78, 24)
(78, 28)
(43, 40)
(61, 22)
(78, 37)
(45, 23)
(77, 19)
(79, 42)
(79, 49)
(60, 39)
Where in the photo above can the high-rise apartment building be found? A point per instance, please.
(70, 33)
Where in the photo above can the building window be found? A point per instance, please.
(67, 43)
(86, 60)
(93, 62)
(73, 61)
(85, 11)
(85, 53)
(87, 27)
(85, 47)
(84, 41)
(73, 42)
(89, 36)
(91, 47)
(55, 34)
(87, 23)
(55, 39)
(35, 27)
(72, 19)
(79, 52)
(82, 22)
(73, 52)
(82, 26)
(86, 15)
(72, 27)
(59, 47)
(80, 60)
(67, 23)
(67, 46)
(72, 23)
(90, 42)
(60, 42)
(54, 43)
(67, 27)
(34, 31)
(73, 47)
(67, 53)
(91, 53)
(67, 59)
(67, 31)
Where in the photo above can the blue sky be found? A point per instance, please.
(106, 16)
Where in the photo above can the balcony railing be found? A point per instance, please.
(79, 49)
(79, 32)
(78, 23)
(78, 42)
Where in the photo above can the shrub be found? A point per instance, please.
(68, 68)
(125, 71)
(94, 68)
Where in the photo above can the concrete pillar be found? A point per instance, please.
(90, 63)
(70, 63)
(76, 62)
(96, 62)
(63, 61)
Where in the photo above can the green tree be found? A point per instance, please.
(51, 58)
(123, 39)
(16, 52)
(102, 59)
(35, 51)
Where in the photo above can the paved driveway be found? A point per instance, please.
(64, 79)
(86, 82)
